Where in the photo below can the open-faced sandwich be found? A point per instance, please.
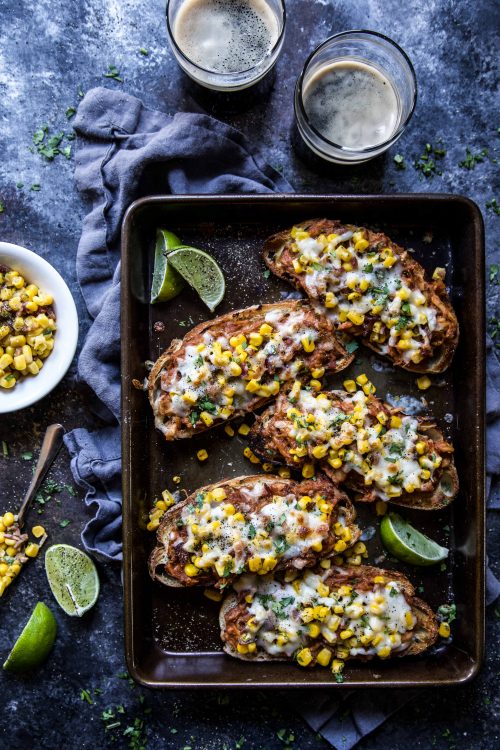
(361, 443)
(254, 523)
(369, 287)
(231, 365)
(324, 616)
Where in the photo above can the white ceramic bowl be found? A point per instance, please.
(36, 270)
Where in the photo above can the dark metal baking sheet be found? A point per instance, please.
(171, 636)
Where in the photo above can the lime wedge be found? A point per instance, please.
(35, 642)
(72, 578)
(201, 272)
(166, 282)
(409, 545)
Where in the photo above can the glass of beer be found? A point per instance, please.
(226, 45)
(355, 96)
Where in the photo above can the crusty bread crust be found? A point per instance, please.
(414, 275)
(424, 634)
(266, 442)
(159, 559)
(329, 348)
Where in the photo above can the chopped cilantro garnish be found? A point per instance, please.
(368, 268)
(471, 159)
(266, 274)
(193, 417)
(351, 346)
(143, 51)
(113, 73)
(251, 531)
(399, 161)
(493, 205)
(494, 269)
(448, 612)
(65, 522)
(70, 112)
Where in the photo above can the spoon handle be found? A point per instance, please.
(51, 446)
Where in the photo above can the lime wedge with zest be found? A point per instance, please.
(35, 642)
(72, 578)
(407, 544)
(201, 272)
(166, 282)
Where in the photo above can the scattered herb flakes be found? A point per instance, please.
(19, 185)
(351, 346)
(27, 455)
(339, 677)
(240, 743)
(399, 161)
(173, 730)
(493, 206)
(285, 735)
(426, 162)
(85, 696)
(471, 159)
(447, 612)
(5, 449)
(495, 330)
(80, 93)
(113, 73)
(266, 274)
(494, 270)
(2, 207)
(70, 112)
(47, 492)
(46, 144)
(65, 522)
(66, 151)
(144, 51)
(36, 187)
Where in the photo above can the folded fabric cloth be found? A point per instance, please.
(121, 145)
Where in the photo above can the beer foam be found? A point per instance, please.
(225, 36)
(351, 104)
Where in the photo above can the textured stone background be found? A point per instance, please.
(50, 50)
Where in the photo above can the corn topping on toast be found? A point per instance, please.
(231, 365)
(254, 523)
(323, 617)
(360, 442)
(369, 287)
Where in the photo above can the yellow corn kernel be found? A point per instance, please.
(254, 564)
(307, 614)
(241, 648)
(420, 448)
(326, 564)
(256, 339)
(191, 570)
(314, 630)
(32, 549)
(265, 329)
(283, 472)
(330, 300)
(318, 372)
(379, 579)
(229, 430)
(320, 451)
(297, 266)
(243, 429)
(345, 634)
(252, 386)
(234, 369)
(384, 652)
(237, 340)
(337, 666)
(322, 589)
(349, 385)
(381, 507)
(396, 421)
(206, 418)
(202, 455)
(267, 467)
(3, 568)
(356, 317)
(355, 560)
(362, 379)
(389, 262)
(359, 548)
(304, 657)
(315, 384)
(5, 361)
(444, 630)
(423, 383)
(425, 474)
(189, 397)
(213, 594)
(340, 546)
(361, 245)
(324, 656)
(307, 344)
(409, 620)
(308, 471)
(8, 519)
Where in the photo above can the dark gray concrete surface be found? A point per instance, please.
(50, 50)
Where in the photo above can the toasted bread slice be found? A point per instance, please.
(371, 288)
(232, 365)
(367, 446)
(264, 523)
(342, 613)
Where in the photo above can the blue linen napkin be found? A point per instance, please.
(119, 141)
